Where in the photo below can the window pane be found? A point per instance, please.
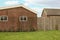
(21, 18)
(1, 18)
(24, 18)
(4, 18)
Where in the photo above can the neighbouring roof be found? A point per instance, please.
(52, 12)
(8, 7)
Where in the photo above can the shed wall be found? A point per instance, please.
(13, 23)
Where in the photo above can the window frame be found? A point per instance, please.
(3, 16)
(23, 18)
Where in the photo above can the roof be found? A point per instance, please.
(52, 12)
(8, 7)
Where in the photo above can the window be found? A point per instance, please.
(23, 18)
(3, 18)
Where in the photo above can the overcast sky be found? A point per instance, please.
(36, 5)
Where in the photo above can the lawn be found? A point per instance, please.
(38, 35)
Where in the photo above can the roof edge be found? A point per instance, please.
(8, 7)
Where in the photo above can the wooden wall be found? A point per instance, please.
(50, 23)
(13, 23)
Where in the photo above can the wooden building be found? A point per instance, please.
(50, 19)
(39, 23)
(17, 18)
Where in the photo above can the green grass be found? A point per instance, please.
(38, 35)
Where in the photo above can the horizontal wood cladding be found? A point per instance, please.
(13, 23)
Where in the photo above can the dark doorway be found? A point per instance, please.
(56, 27)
